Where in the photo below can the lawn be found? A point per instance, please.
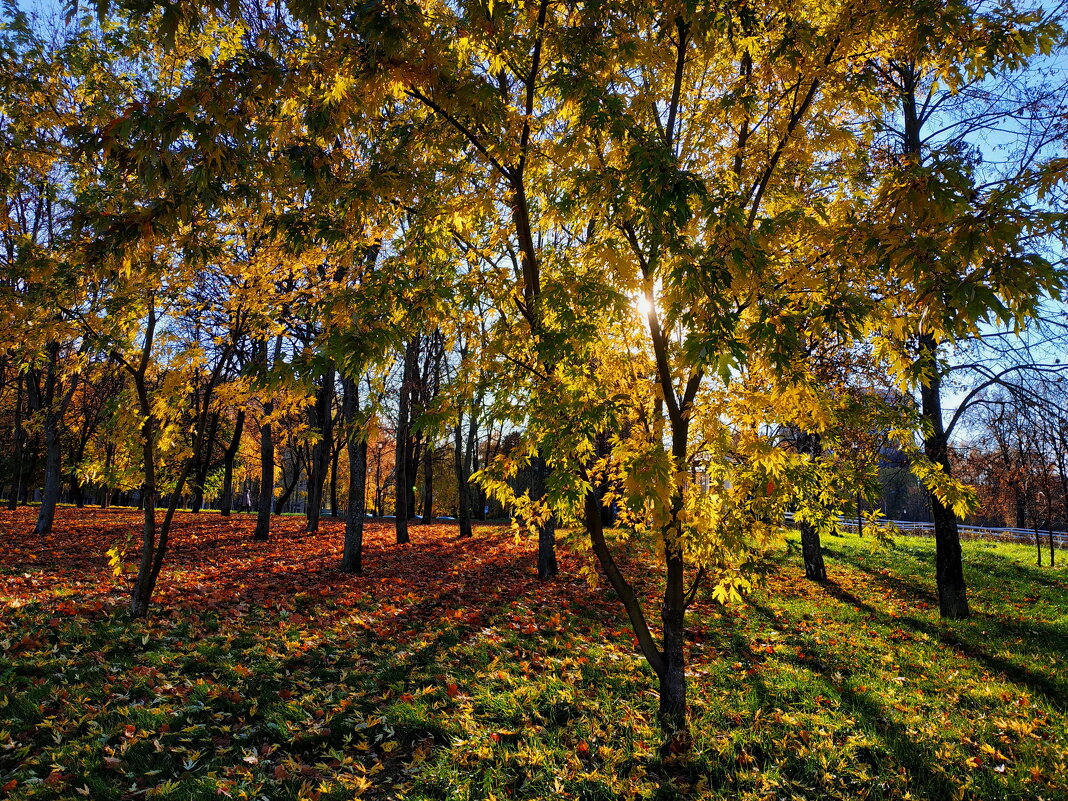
(447, 671)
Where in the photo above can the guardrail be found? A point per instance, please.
(920, 528)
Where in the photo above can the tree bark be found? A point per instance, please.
(226, 502)
(463, 495)
(547, 567)
(672, 710)
(54, 411)
(203, 466)
(352, 558)
(287, 489)
(266, 499)
(949, 569)
(105, 491)
(811, 548)
(335, 456)
(428, 484)
(19, 446)
(402, 510)
(320, 462)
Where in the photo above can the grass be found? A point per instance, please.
(446, 671)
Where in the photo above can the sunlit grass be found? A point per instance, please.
(447, 671)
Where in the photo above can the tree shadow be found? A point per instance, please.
(1040, 639)
(917, 758)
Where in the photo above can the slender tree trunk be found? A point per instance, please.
(19, 446)
(673, 681)
(414, 460)
(50, 497)
(403, 479)
(1022, 505)
(105, 495)
(547, 567)
(226, 502)
(203, 466)
(811, 547)
(77, 492)
(463, 496)
(287, 489)
(1052, 558)
(428, 484)
(141, 592)
(266, 500)
(949, 569)
(352, 558)
(320, 460)
(860, 517)
(267, 450)
(55, 410)
(335, 456)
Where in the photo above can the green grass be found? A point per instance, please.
(851, 689)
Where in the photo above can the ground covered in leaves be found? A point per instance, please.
(447, 671)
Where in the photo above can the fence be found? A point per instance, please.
(924, 529)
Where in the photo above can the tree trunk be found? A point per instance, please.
(105, 494)
(266, 499)
(949, 569)
(203, 466)
(55, 410)
(141, 592)
(335, 456)
(226, 502)
(50, 497)
(287, 489)
(672, 710)
(428, 484)
(809, 444)
(323, 414)
(547, 567)
(352, 558)
(402, 510)
(18, 447)
(463, 496)
(77, 492)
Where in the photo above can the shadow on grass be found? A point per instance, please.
(915, 757)
(1037, 639)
